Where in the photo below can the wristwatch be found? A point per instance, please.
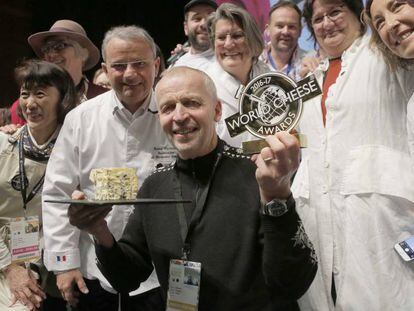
(277, 207)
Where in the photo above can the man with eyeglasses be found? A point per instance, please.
(199, 55)
(351, 186)
(66, 45)
(119, 128)
(236, 255)
(284, 28)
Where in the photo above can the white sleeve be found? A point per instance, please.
(62, 178)
(406, 80)
(410, 127)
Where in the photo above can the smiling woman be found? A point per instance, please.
(47, 94)
(353, 206)
(238, 44)
(392, 23)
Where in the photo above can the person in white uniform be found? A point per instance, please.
(354, 185)
(119, 128)
(238, 44)
(392, 33)
(200, 55)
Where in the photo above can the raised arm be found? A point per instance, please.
(289, 261)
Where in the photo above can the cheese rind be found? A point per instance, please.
(116, 183)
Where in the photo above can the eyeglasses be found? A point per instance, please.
(55, 46)
(136, 65)
(335, 15)
(236, 37)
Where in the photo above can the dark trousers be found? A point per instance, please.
(97, 299)
(53, 304)
(151, 300)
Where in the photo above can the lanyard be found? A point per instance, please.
(23, 179)
(272, 62)
(200, 200)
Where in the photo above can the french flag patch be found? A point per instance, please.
(60, 258)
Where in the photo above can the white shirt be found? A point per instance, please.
(410, 125)
(354, 186)
(99, 133)
(227, 87)
(200, 61)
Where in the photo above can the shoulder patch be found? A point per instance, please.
(232, 152)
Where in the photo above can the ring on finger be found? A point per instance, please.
(268, 159)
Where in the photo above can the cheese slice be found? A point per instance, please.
(116, 183)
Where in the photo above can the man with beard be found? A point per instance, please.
(283, 53)
(195, 17)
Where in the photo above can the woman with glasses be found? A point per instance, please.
(237, 43)
(354, 185)
(67, 45)
(47, 94)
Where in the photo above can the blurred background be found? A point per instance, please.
(163, 19)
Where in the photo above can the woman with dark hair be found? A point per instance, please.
(237, 44)
(47, 94)
(354, 185)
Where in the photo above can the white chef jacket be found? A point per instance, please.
(200, 61)
(99, 133)
(227, 87)
(410, 125)
(355, 186)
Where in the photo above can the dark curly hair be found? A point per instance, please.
(355, 6)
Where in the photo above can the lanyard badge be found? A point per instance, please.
(23, 179)
(185, 276)
(24, 239)
(183, 285)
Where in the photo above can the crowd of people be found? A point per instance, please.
(285, 229)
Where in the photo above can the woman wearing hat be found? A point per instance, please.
(47, 94)
(354, 185)
(66, 45)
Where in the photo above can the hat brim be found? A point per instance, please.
(194, 3)
(36, 41)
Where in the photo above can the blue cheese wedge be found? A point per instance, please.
(116, 183)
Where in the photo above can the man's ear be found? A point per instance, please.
(104, 67)
(266, 31)
(217, 111)
(185, 28)
(157, 65)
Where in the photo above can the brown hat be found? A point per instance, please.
(69, 29)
